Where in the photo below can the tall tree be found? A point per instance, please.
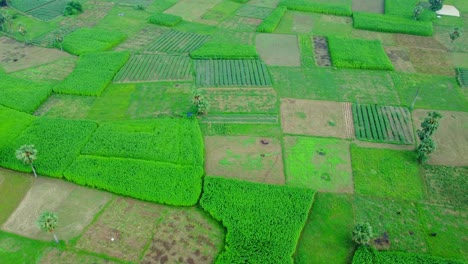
(425, 148)
(436, 5)
(48, 222)
(27, 154)
(428, 127)
(58, 39)
(23, 31)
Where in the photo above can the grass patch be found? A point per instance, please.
(18, 249)
(223, 129)
(364, 255)
(93, 73)
(219, 51)
(13, 123)
(13, 186)
(263, 222)
(66, 106)
(386, 173)
(327, 236)
(358, 53)
(446, 185)
(393, 24)
(87, 40)
(113, 103)
(402, 8)
(318, 163)
(307, 51)
(270, 23)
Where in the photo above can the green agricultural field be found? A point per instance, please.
(232, 131)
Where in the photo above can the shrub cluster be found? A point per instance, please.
(394, 24)
(147, 180)
(93, 73)
(165, 19)
(21, 94)
(263, 222)
(223, 51)
(270, 23)
(176, 141)
(365, 255)
(325, 8)
(58, 142)
(358, 53)
(86, 40)
(12, 124)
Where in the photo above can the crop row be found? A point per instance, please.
(26, 5)
(93, 73)
(382, 123)
(263, 222)
(325, 8)
(155, 68)
(215, 73)
(224, 51)
(49, 11)
(462, 76)
(270, 23)
(167, 20)
(86, 40)
(393, 24)
(254, 11)
(177, 42)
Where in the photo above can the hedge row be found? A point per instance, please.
(58, 142)
(147, 180)
(325, 8)
(93, 73)
(165, 19)
(176, 141)
(263, 222)
(394, 24)
(86, 40)
(21, 94)
(370, 256)
(12, 123)
(223, 51)
(358, 53)
(270, 23)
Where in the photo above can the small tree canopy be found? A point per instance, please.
(362, 233)
(47, 221)
(27, 154)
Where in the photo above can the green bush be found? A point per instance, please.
(58, 142)
(12, 124)
(21, 94)
(73, 8)
(151, 181)
(365, 255)
(165, 19)
(358, 53)
(270, 23)
(325, 8)
(176, 141)
(263, 222)
(93, 73)
(224, 51)
(394, 24)
(86, 40)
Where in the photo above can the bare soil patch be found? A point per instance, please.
(15, 56)
(241, 100)
(451, 137)
(74, 205)
(400, 58)
(185, 235)
(247, 158)
(418, 41)
(321, 51)
(279, 50)
(431, 61)
(316, 118)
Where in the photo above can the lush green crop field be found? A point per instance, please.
(177, 42)
(86, 40)
(13, 123)
(49, 11)
(390, 23)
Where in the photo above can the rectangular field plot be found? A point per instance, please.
(177, 42)
(254, 11)
(144, 68)
(242, 100)
(240, 118)
(49, 11)
(382, 124)
(218, 73)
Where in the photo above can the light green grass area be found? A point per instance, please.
(318, 163)
(17, 249)
(13, 187)
(446, 185)
(66, 106)
(335, 85)
(326, 237)
(113, 103)
(13, 123)
(226, 129)
(386, 173)
(222, 11)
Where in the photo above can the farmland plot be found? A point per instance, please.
(219, 73)
(254, 11)
(383, 123)
(48, 11)
(144, 68)
(278, 50)
(241, 118)
(177, 42)
(462, 76)
(238, 23)
(238, 100)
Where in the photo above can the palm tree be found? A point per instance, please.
(48, 222)
(27, 154)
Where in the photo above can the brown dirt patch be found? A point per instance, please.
(124, 229)
(241, 100)
(431, 61)
(451, 137)
(15, 56)
(315, 118)
(321, 51)
(185, 235)
(245, 158)
(418, 41)
(74, 205)
(400, 58)
(372, 6)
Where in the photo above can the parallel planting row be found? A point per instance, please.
(177, 42)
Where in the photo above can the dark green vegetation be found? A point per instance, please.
(270, 23)
(395, 24)
(263, 222)
(358, 53)
(88, 40)
(382, 123)
(325, 7)
(13, 123)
